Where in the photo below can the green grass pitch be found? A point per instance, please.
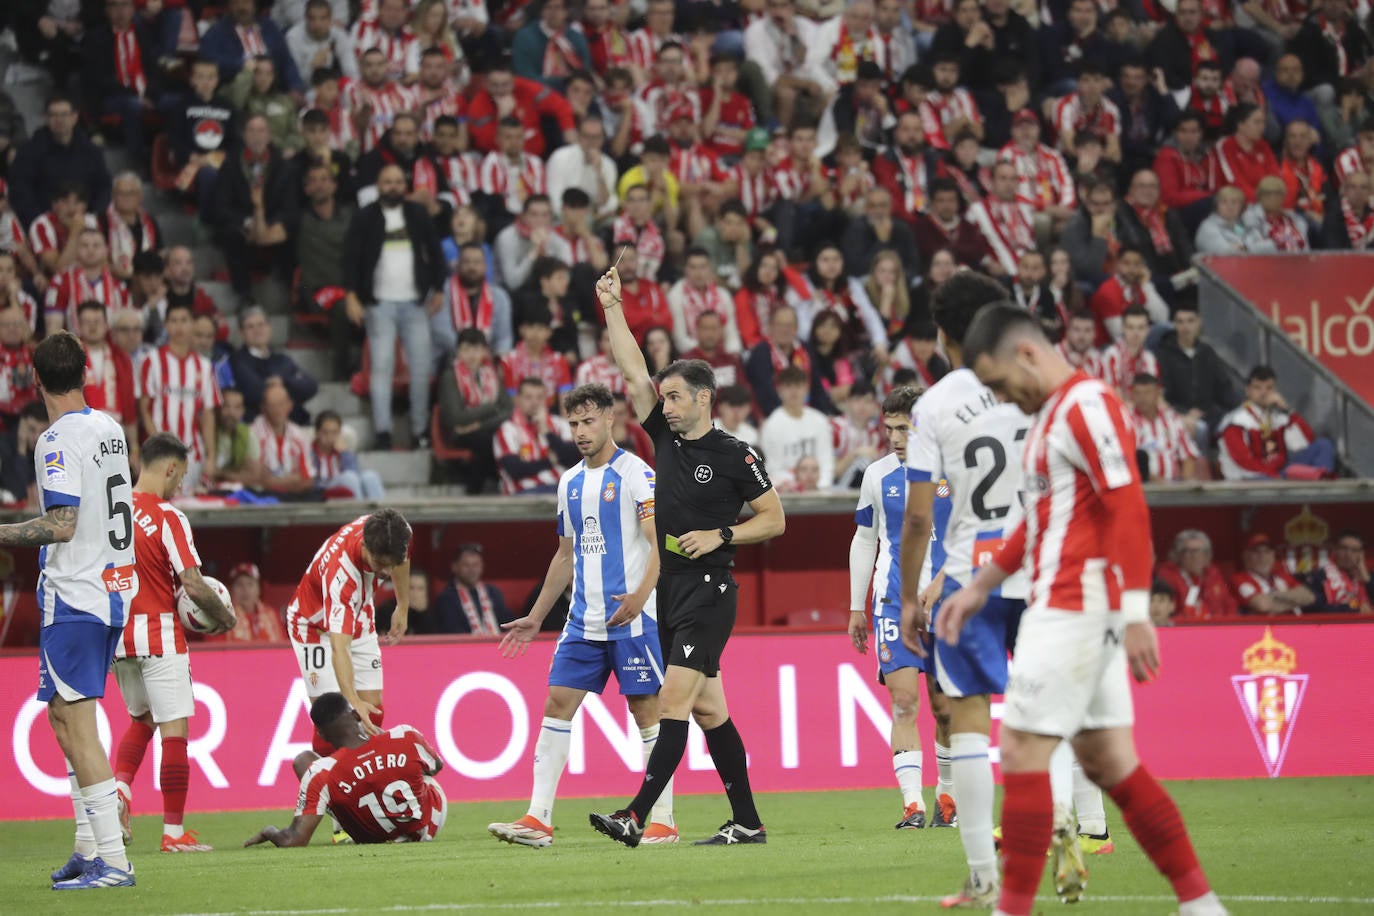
(1271, 847)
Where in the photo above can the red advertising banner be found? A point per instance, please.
(1321, 301)
(1243, 701)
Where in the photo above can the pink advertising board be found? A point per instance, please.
(1243, 702)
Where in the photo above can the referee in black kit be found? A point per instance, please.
(704, 478)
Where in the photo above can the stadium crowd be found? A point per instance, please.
(782, 185)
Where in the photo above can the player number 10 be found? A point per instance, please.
(405, 808)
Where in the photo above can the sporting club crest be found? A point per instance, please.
(1270, 695)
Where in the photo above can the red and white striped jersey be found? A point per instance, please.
(12, 235)
(463, 174)
(18, 382)
(180, 388)
(756, 192)
(48, 233)
(657, 104)
(1166, 440)
(792, 181)
(448, 102)
(518, 437)
(1008, 227)
(1079, 453)
(513, 180)
(601, 370)
(549, 365)
(1070, 115)
(1089, 360)
(846, 439)
(163, 548)
(1349, 162)
(73, 286)
(286, 455)
(944, 107)
(386, 102)
(402, 49)
(335, 594)
(379, 791)
(1118, 368)
(1045, 179)
(644, 47)
(691, 164)
(1248, 584)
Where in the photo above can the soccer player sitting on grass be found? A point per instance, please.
(381, 789)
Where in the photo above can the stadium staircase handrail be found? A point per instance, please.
(1351, 419)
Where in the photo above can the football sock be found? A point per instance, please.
(103, 813)
(1206, 905)
(1087, 801)
(85, 837)
(176, 773)
(667, 754)
(550, 757)
(1027, 821)
(907, 766)
(132, 747)
(945, 785)
(321, 746)
(1061, 783)
(972, 775)
(1153, 818)
(732, 763)
(662, 812)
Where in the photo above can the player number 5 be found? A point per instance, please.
(405, 808)
(119, 510)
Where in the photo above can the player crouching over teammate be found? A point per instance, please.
(1085, 541)
(151, 665)
(380, 788)
(877, 535)
(608, 552)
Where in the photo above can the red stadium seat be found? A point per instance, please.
(164, 165)
(443, 452)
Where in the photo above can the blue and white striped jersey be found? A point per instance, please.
(601, 510)
(882, 505)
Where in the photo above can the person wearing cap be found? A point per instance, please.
(1202, 591)
(256, 621)
(467, 604)
(1263, 586)
(1043, 177)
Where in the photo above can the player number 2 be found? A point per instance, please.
(999, 464)
(404, 808)
(119, 509)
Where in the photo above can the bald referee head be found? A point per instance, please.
(1006, 348)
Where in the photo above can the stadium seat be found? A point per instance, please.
(164, 166)
(443, 452)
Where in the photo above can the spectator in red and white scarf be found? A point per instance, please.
(1155, 229)
(467, 604)
(472, 301)
(1006, 221)
(122, 75)
(644, 303)
(1130, 286)
(1088, 110)
(907, 167)
(509, 173)
(600, 368)
(533, 447)
(128, 227)
(1043, 176)
(439, 93)
(1343, 584)
(547, 51)
(778, 351)
(1124, 360)
(1165, 438)
(90, 278)
(1264, 438)
(18, 384)
(1301, 172)
(695, 294)
(950, 105)
(1270, 227)
(1332, 45)
(426, 183)
(473, 403)
(1262, 584)
(607, 45)
(389, 33)
(577, 229)
(636, 227)
(333, 466)
(1350, 227)
(534, 358)
(241, 35)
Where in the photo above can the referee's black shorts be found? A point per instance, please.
(696, 612)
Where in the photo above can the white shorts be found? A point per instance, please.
(1069, 674)
(160, 684)
(317, 665)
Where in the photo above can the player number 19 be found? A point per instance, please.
(404, 808)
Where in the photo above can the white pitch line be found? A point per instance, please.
(753, 901)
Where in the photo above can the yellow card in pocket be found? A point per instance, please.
(671, 543)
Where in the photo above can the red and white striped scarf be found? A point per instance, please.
(756, 192)
(580, 247)
(1153, 221)
(251, 39)
(461, 305)
(1335, 34)
(1011, 224)
(481, 614)
(799, 357)
(696, 303)
(764, 303)
(914, 180)
(423, 176)
(560, 57)
(102, 385)
(477, 388)
(325, 466)
(648, 241)
(461, 177)
(129, 62)
(123, 245)
(1359, 229)
(1283, 231)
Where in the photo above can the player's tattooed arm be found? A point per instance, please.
(57, 527)
(206, 599)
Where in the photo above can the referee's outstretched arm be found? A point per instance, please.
(628, 358)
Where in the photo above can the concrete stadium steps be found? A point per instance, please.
(314, 361)
(210, 262)
(397, 467)
(336, 396)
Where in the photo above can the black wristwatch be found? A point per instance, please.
(727, 535)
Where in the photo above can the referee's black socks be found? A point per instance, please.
(727, 751)
(668, 751)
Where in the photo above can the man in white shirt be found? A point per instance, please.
(795, 431)
(583, 165)
(788, 49)
(695, 294)
(316, 42)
